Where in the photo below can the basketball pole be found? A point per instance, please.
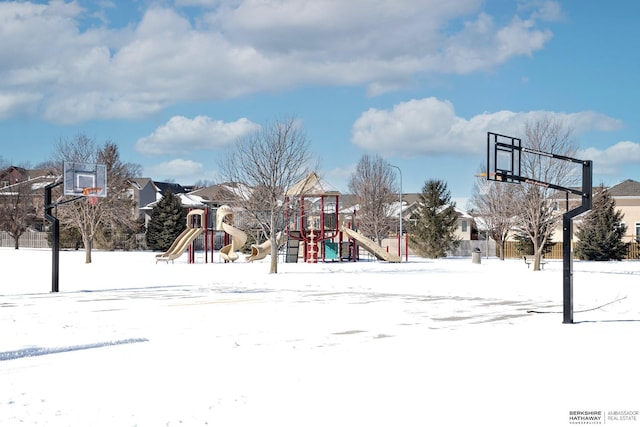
(55, 235)
(55, 232)
(567, 237)
(510, 172)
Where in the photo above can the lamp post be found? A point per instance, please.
(400, 239)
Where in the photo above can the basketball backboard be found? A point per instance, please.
(85, 179)
(503, 158)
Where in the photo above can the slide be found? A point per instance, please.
(180, 244)
(371, 246)
(174, 244)
(263, 249)
(238, 237)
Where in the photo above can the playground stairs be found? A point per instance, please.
(293, 246)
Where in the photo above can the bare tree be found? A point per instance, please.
(374, 188)
(493, 202)
(119, 209)
(268, 162)
(537, 215)
(116, 208)
(17, 210)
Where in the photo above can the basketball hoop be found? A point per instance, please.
(89, 192)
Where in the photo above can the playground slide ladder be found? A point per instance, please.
(293, 247)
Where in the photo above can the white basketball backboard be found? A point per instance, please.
(85, 179)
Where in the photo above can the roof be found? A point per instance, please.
(311, 185)
(186, 201)
(140, 183)
(225, 193)
(169, 186)
(27, 174)
(627, 188)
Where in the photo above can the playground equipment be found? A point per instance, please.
(260, 251)
(312, 223)
(312, 218)
(224, 218)
(195, 222)
(371, 246)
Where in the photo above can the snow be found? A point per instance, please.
(128, 342)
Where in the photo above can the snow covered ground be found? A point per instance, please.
(128, 342)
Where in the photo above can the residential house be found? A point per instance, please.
(466, 225)
(147, 193)
(627, 197)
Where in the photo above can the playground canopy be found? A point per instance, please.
(312, 186)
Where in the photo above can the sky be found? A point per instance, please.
(420, 83)
(442, 342)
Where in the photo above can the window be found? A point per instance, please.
(637, 233)
(464, 225)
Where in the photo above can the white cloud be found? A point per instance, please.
(430, 126)
(183, 135)
(181, 170)
(237, 47)
(17, 103)
(609, 160)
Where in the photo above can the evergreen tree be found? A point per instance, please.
(168, 220)
(601, 231)
(434, 231)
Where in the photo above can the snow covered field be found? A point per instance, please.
(128, 342)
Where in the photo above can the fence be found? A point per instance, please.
(30, 239)
(40, 239)
(487, 248)
(511, 251)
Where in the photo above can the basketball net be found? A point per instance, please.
(90, 193)
(484, 185)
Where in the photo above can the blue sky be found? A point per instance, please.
(419, 82)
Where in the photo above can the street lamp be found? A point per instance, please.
(400, 240)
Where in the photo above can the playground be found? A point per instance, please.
(128, 341)
(312, 230)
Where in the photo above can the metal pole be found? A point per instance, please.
(567, 269)
(55, 236)
(400, 172)
(567, 235)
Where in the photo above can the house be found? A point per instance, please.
(147, 193)
(221, 194)
(15, 174)
(466, 224)
(627, 197)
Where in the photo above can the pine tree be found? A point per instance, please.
(601, 231)
(168, 220)
(434, 231)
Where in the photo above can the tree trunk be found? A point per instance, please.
(274, 245)
(537, 254)
(16, 242)
(88, 242)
